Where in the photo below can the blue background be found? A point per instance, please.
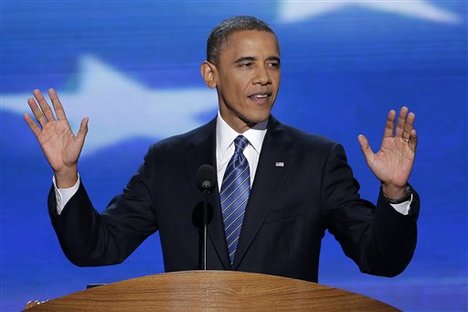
(342, 71)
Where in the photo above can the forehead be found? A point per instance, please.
(252, 43)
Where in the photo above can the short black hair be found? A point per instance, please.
(220, 34)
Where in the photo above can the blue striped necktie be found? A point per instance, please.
(234, 194)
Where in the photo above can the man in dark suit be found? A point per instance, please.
(278, 188)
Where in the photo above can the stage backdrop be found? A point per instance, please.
(132, 67)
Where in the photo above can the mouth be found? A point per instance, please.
(261, 97)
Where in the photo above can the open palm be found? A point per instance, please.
(60, 146)
(393, 163)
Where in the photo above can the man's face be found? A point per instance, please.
(247, 77)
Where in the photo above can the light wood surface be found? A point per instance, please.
(213, 291)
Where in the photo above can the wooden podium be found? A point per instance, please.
(213, 291)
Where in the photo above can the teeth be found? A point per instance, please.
(261, 96)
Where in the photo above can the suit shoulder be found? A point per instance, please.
(181, 142)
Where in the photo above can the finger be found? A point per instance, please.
(59, 111)
(409, 124)
(44, 106)
(401, 121)
(81, 135)
(365, 148)
(408, 127)
(390, 124)
(37, 111)
(413, 141)
(32, 125)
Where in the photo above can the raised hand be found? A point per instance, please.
(60, 146)
(392, 164)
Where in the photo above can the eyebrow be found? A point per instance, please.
(251, 58)
(244, 59)
(274, 58)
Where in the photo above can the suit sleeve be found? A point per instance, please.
(379, 239)
(89, 238)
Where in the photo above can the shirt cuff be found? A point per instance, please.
(63, 195)
(404, 207)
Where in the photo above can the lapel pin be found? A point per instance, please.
(279, 164)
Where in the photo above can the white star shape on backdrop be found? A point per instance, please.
(294, 11)
(120, 108)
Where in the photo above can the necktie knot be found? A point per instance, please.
(240, 142)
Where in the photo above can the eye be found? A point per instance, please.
(245, 64)
(273, 65)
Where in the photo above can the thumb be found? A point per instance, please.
(81, 135)
(365, 148)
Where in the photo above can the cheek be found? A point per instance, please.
(233, 85)
(239, 89)
(277, 78)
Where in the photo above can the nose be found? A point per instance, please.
(262, 76)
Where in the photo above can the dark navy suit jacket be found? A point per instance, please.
(288, 211)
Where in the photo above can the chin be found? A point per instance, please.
(257, 118)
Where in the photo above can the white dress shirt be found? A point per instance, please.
(225, 136)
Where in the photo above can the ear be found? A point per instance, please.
(208, 72)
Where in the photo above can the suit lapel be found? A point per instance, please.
(203, 151)
(275, 160)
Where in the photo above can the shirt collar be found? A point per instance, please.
(225, 135)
